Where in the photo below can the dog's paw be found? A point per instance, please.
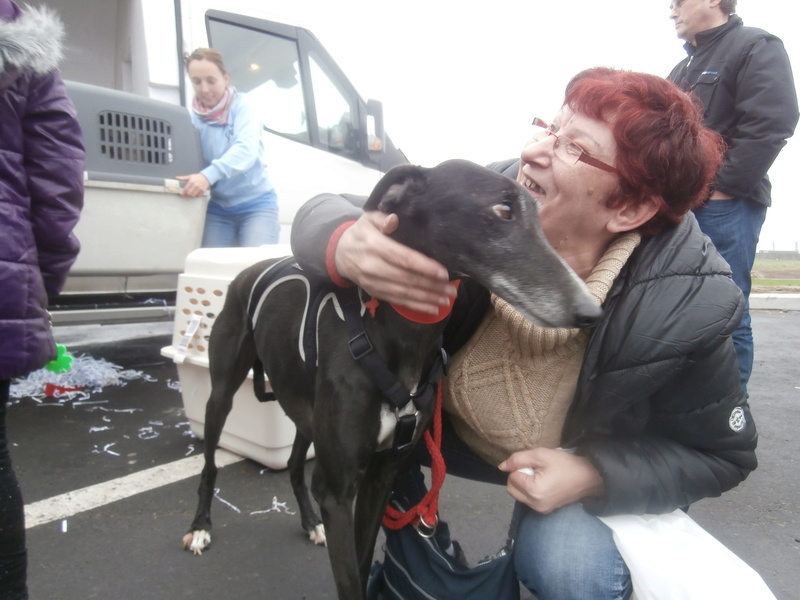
(197, 541)
(317, 535)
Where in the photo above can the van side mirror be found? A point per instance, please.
(376, 135)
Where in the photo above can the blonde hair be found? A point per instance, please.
(208, 54)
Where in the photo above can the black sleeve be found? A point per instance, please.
(766, 103)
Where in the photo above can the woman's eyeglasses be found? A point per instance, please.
(569, 151)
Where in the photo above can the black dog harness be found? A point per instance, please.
(362, 350)
(352, 309)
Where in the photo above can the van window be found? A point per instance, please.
(335, 123)
(300, 91)
(265, 66)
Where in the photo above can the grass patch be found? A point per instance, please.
(776, 282)
(774, 264)
(776, 273)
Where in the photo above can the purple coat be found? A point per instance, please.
(41, 185)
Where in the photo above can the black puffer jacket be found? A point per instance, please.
(658, 409)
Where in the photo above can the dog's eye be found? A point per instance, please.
(503, 211)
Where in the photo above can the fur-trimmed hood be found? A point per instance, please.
(33, 42)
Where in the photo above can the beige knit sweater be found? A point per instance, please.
(510, 387)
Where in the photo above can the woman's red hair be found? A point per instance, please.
(663, 150)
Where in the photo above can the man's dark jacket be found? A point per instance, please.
(743, 78)
(658, 409)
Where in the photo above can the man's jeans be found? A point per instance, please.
(734, 226)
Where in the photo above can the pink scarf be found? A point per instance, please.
(216, 115)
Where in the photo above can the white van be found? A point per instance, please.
(136, 231)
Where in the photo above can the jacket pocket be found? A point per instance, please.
(704, 87)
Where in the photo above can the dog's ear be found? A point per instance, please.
(399, 182)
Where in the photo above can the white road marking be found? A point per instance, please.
(95, 496)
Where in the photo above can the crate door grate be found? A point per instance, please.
(135, 138)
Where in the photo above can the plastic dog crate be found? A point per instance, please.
(135, 228)
(257, 430)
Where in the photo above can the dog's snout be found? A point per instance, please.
(587, 315)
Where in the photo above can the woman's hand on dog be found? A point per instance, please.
(389, 270)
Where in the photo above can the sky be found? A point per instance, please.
(464, 80)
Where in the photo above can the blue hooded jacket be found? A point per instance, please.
(235, 153)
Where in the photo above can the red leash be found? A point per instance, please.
(425, 511)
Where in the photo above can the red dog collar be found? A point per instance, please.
(426, 318)
(372, 304)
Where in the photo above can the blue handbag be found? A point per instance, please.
(423, 567)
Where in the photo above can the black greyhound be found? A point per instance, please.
(474, 221)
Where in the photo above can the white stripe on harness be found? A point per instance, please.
(304, 323)
(263, 297)
(330, 297)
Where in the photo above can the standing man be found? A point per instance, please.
(743, 78)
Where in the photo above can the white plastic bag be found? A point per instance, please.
(672, 558)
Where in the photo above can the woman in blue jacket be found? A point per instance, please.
(243, 210)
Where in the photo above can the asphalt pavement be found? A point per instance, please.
(110, 484)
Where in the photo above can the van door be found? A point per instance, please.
(320, 135)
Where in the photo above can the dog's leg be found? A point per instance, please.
(373, 496)
(199, 536)
(336, 504)
(309, 519)
(346, 424)
(231, 354)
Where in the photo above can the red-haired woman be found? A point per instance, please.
(643, 413)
